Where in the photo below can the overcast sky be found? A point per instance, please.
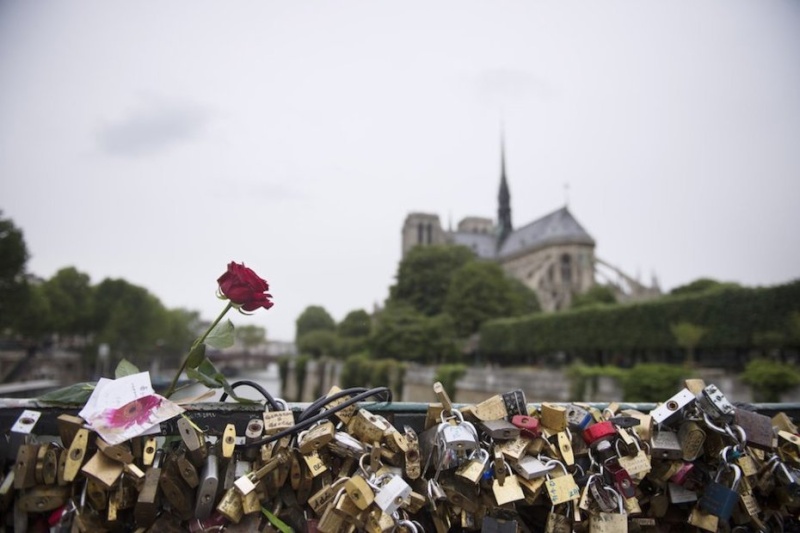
(157, 141)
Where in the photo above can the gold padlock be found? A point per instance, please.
(103, 470)
(230, 506)
(554, 417)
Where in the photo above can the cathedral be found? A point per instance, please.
(553, 255)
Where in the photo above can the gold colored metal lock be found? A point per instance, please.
(379, 522)
(703, 520)
(554, 417)
(97, 494)
(557, 523)
(175, 490)
(187, 469)
(76, 454)
(367, 427)
(565, 447)
(316, 437)
(25, 467)
(332, 521)
(149, 450)
(509, 490)
(513, 449)
(359, 491)
(230, 506)
(413, 468)
(603, 522)
(395, 441)
(50, 465)
(277, 421)
(118, 452)
(251, 503)
(344, 415)
(692, 439)
(43, 498)
(194, 440)
(561, 489)
(228, 441)
(316, 466)
(147, 505)
(68, 427)
(473, 469)
(103, 470)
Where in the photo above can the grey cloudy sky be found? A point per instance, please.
(156, 141)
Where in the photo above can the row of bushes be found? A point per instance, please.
(655, 382)
(733, 319)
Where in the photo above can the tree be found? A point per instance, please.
(318, 343)
(403, 333)
(770, 379)
(13, 283)
(597, 295)
(356, 324)
(702, 285)
(480, 291)
(525, 299)
(423, 276)
(69, 293)
(251, 336)
(688, 336)
(313, 318)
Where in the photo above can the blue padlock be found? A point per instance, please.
(719, 500)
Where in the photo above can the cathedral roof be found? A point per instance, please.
(484, 245)
(559, 227)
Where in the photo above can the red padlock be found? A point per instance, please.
(597, 432)
(528, 426)
(622, 480)
(679, 477)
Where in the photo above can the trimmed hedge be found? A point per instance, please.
(735, 318)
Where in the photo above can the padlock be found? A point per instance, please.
(499, 429)
(490, 524)
(194, 440)
(692, 438)
(76, 454)
(514, 449)
(175, 490)
(41, 499)
(553, 417)
(117, 452)
(665, 446)
(758, 428)
(679, 494)
(359, 491)
(473, 469)
(703, 520)
(228, 440)
(508, 489)
(25, 466)
(596, 433)
(557, 522)
(316, 437)
(207, 489)
(102, 469)
(345, 445)
(608, 522)
(530, 467)
(253, 432)
(147, 505)
(392, 492)
(561, 489)
(187, 469)
(367, 427)
(718, 499)
(620, 478)
(637, 465)
(578, 418)
(712, 402)
(230, 506)
(528, 425)
(564, 442)
(148, 451)
(673, 408)
(68, 426)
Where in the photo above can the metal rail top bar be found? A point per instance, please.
(214, 416)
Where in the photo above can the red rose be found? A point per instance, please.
(244, 288)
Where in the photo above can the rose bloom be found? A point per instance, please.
(244, 288)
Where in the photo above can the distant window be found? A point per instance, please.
(430, 233)
(419, 233)
(566, 268)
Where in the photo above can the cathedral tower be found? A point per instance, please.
(504, 200)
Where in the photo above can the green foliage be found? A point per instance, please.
(732, 317)
(597, 295)
(448, 375)
(702, 285)
(69, 293)
(652, 382)
(770, 379)
(405, 334)
(313, 318)
(361, 371)
(424, 274)
(688, 336)
(13, 283)
(283, 372)
(525, 300)
(583, 378)
(251, 336)
(318, 343)
(357, 324)
(300, 367)
(356, 371)
(478, 292)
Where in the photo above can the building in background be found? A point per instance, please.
(553, 255)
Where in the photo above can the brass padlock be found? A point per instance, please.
(554, 417)
(316, 437)
(147, 504)
(194, 440)
(118, 452)
(103, 470)
(230, 506)
(25, 467)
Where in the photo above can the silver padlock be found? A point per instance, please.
(390, 495)
(530, 467)
(207, 490)
(674, 407)
(716, 405)
(666, 446)
(679, 494)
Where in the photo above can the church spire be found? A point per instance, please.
(503, 197)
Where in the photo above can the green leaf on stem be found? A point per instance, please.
(125, 368)
(74, 394)
(196, 355)
(207, 374)
(221, 336)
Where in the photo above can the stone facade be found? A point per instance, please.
(553, 255)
